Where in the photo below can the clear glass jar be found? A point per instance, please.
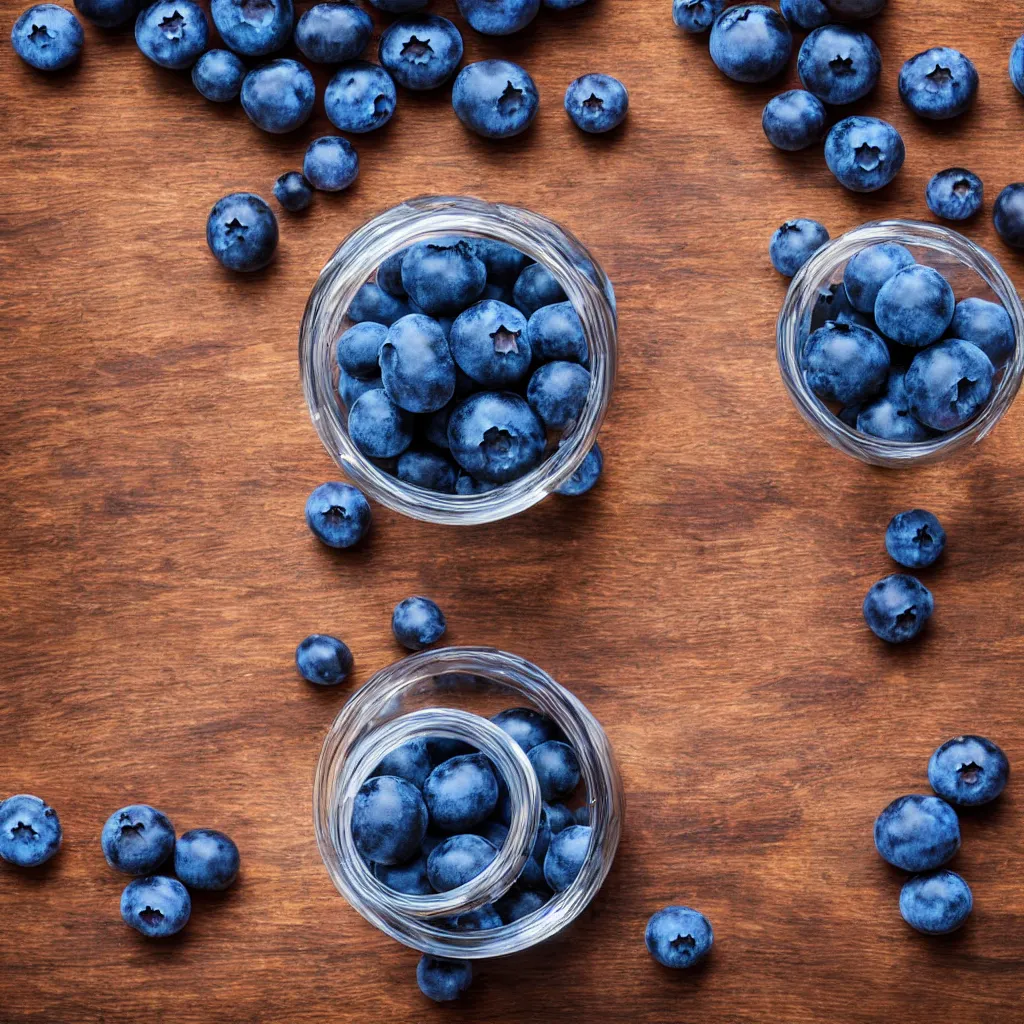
(969, 269)
(355, 261)
(450, 692)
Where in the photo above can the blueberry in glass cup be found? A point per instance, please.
(420, 351)
(464, 706)
(899, 343)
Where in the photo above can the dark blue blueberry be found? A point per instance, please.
(557, 393)
(331, 164)
(499, 17)
(360, 98)
(156, 906)
(48, 37)
(418, 622)
(480, 920)
(597, 103)
(845, 363)
(338, 514)
(496, 437)
(948, 383)
(563, 5)
(834, 304)
(410, 761)
(557, 769)
(172, 34)
(372, 303)
(584, 478)
(458, 860)
(750, 43)
(939, 83)
(435, 428)
(896, 609)
(378, 427)
(421, 52)
(442, 749)
(556, 333)
(241, 232)
(461, 792)
(416, 364)
(582, 815)
(441, 980)
(839, 64)
(137, 839)
(696, 16)
(399, 6)
(358, 349)
(870, 269)
(389, 820)
(333, 33)
(794, 243)
(108, 13)
(352, 388)
(30, 831)
(805, 14)
(678, 937)
(217, 75)
(504, 262)
(968, 771)
(917, 833)
(955, 194)
(467, 485)
(1008, 215)
(987, 325)
(536, 286)
(206, 859)
(517, 903)
(490, 343)
(293, 192)
(915, 539)
(389, 274)
(854, 10)
(495, 98)
(559, 818)
(253, 27)
(936, 903)
(527, 726)
(409, 878)
(494, 832)
(864, 153)
(429, 470)
(889, 416)
(566, 856)
(915, 306)
(278, 97)
(1016, 65)
(532, 875)
(794, 120)
(443, 276)
(323, 660)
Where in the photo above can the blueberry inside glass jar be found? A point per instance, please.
(458, 358)
(899, 343)
(445, 803)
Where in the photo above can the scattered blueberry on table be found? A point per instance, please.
(750, 43)
(172, 33)
(915, 539)
(794, 243)
(218, 75)
(955, 194)
(1017, 65)
(597, 103)
(417, 623)
(253, 29)
(864, 153)
(338, 514)
(48, 37)
(30, 831)
(968, 771)
(241, 231)
(794, 120)
(678, 937)
(293, 191)
(696, 16)
(422, 51)
(333, 33)
(1008, 215)
(206, 859)
(938, 84)
(936, 903)
(331, 163)
(137, 839)
(323, 659)
(360, 98)
(443, 980)
(897, 608)
(839, 64)
(156, 906)
(917, 833)
(495, 98)
(278, 97)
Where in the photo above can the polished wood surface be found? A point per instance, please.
(704, 601)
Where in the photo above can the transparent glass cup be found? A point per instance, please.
(971, 270)
(353, 263)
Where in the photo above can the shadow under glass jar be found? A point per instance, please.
(428, 694)
(970, 270)
(354, 263)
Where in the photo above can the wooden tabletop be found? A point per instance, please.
(704, 601)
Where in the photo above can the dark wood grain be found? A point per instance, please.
(156, 573)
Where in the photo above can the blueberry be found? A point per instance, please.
(503, 262)
(358, 349)
(330, 164)
(278, 97)
(915, 306)
(441, 980)
(137, 839)
(948, 383)
(557, 769)
(429, 470)
(48, 37)
(584, 478)
(338, 514)
(518, 903)
(805, 14)
(480, 920)
(889, 417)
(915, 539)
(559, 818)
(399, 6)
(490, 343)
(389, 273)
(917, 833)
(794, 243)
(870, 269)
(333, 33)
(696, 16)
(378, 427)
(416, 364)
(323, 660)
(555, 332)
(495, 98)
(864, 153)
(566, 856)
(499, 17)
(834, 304)
(108, 13)
(352, 388)
(442, 749)
(597, 103)
(217, 75)
(458, 860)
(987, 325)
(372, 303)
(461, 792)
(172, 34)
(557, 393)
(421, 52)
(443, 276)
(939, 83)
(253, 27)
(410, 761)
(678, 937)
(360, 98)
(955, 194)
(527, 727)
(1016, 65)
(896, 609)
(794, 120)
(467, 485)
(750, 43)
(156, 906)
(968, 770)
(389, 820)
(241, 232)
(206, 859)
(417, 622)
(30, 832)
(536, 286)
(936, 903)
(409, 878)
(496, 437)
(532, 875)
(563, 5)
(845, 363)
(854, 10)
(582, 815)
(494, 832)
(1008, 215)
(839, 64)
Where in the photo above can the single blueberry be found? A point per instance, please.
(378, 427)
(421, 52)
(794, 243)
(696, 16)
(936, 903)
(48, 37)
(206, 859)
(137, 839)
(839, 64)
(527, 726)
(678, 937)
(915, 306)
(358, 349)
(915, 539)
(323, 659)
(389, 820)
(864, 153)
(556, 333)
(870, 269)
(241, 232)
(939, 83)
(495, 98)
(1016, 65)
(156, 906)
(293, 192)
(948, 383)
(278, 97)
(480, 920)
(372, 303)
(218, 75)
(750, 43)
(172, 33)
(1008, 215)
(794, 120)
(418, 622)
(987, 325)
(584, 478)
(503, 262)
(855, 10)
(468, 485)
(460, 792)
(597, 103)
(458, 860)
(557, 769)
(559, 818)
(30, 832)
(917, 833)
(889, 417)
(536, 286)
(845, 363)
(968, 771)
(350, 388)
(518, 903)
(410, 761)
(566, 856)
(331, 163)
(955, 194)
(834, 304)
(896, 609)
(441, 980)
(389, 274)
(557, 393)
(443, 276)
(429, 470)
(338, 514)
(409, 878)
(805, 14)
(333, 33)
(499, 17)
(490, 343)
(253, 27)
(360, 98)
(416, 364)
(496, 437)
(108, 13)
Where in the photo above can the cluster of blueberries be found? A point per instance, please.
(919, 834)
(136, 840)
